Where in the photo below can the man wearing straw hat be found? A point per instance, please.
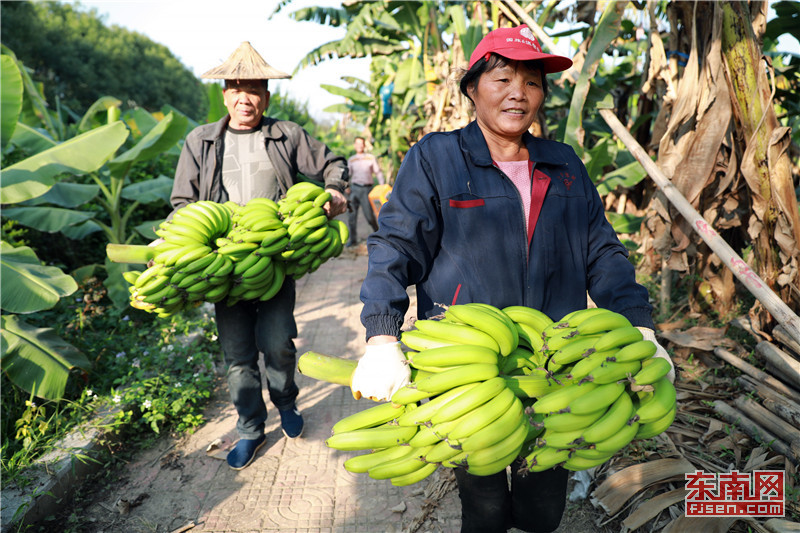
(243, 156)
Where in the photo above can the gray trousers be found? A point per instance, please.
(249, 329)
(359, 196)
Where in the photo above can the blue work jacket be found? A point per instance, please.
(454, 226)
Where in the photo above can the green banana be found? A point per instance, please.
(458, 333)
(424, 412)
(218, 292)
(599, 398)
(408, 395)
(454, 355)
(652, 370)
(323, 198)
(659, 404)
(399, 467)
(149, 273)
(414, 477)
(461, 375)
(579, 316)
(635, 351)
(618, 337)
(216, 263)
(557, 338)
(559, 399)
(511, 445)
(242, 265)
(527, 315)
(238, 251)
(656, 427)
(373, 416)
(191, 254)
(576, 462)
(585, 366)
(131, 276)
(155, 284)
(610, 372)
(484, 320)
(603, 322)
(278, 277)
(465, 403)
(561, 439)
(616, 416)
(619, 440)
(580, 347)
(441, 452)
(370, 438)
(545, 457)
(495, 430)
(417, 340)
(535, 385)
(360, 464)
(528, 334)
(571, 421)
(482, 416)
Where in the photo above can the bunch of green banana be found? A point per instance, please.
(312, 238)
(213, 252)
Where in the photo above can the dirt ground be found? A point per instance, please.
(105, 503)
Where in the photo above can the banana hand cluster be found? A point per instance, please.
(213, 252)
(495, 384)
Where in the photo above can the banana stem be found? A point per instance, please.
(130, 253)
(326, 368)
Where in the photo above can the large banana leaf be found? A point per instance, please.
(85, 153)
(32, 140)
(352, 94)
(47, 219)
(66, 195)
(36, 359)
(102, 104)
(145, 192)
(10, 98)
(605, 32)
(624, 223)
(27, 285)
(140, 122)
(625, 177)
(216, 104)
(159, 139)
(80, 231)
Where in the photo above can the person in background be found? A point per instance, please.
(491, 214)
(363, 168)
(246, 155)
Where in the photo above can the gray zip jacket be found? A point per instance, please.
(291, 150)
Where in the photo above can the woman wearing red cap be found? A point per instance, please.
(489, 213)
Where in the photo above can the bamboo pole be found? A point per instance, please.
(757, 374)
(758, 433)
(772, 303)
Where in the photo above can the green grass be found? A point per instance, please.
(140, 364)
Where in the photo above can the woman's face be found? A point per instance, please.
(507, 99)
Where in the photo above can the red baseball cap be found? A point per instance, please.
(518, 43)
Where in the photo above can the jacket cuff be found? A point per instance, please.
(383, 325)
(639, 317)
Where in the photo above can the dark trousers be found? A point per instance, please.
(359, 196)
(247, 329)
(535, 502)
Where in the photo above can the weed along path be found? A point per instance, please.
(185, 484)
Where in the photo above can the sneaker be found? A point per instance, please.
(291, 422)
(244, 452)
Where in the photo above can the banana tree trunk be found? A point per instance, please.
(779, 310)
(774, 225)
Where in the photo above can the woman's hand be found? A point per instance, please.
(381, 371)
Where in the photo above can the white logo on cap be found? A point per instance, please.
(528, 34)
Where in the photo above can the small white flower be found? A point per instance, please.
(196, 374)
(120, 354)
(33, 405)
(125, 318)
(178, 385)
(146, 404)
(88, 392)
(213, 337)
(136, 363)
(146, 353)
(190, 359)
(170, 347)
(117, 398)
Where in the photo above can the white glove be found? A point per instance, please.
(381, 372)
(650, 335)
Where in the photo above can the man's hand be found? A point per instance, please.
(336, 205)
(650, 335)
(381, 371)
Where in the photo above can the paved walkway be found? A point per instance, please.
(293, 485)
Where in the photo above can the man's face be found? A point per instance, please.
(358, 144)
(246, 101)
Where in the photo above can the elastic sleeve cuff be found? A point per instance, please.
(382, 325)
(639, 317)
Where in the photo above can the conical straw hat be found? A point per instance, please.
(245, 64)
